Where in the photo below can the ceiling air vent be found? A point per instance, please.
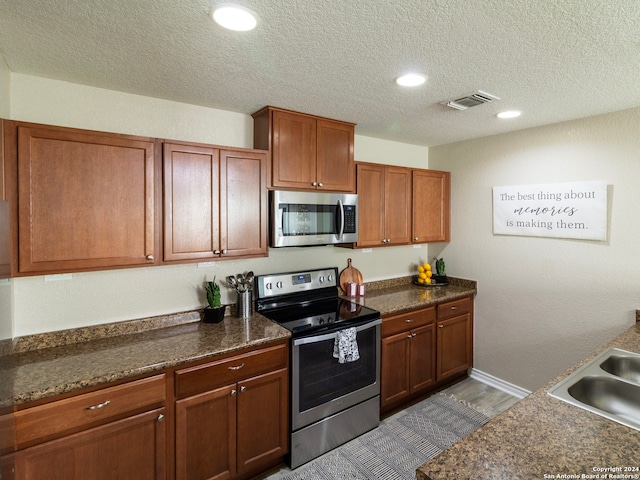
(472, 100)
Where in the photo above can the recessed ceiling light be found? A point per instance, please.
(234, 17)
(411, 80)
(509, 114)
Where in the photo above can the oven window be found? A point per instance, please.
(323, 379)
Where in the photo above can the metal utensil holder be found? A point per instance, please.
(244, 307)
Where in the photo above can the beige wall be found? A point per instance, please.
(6, 286)
(46, 304)
(544, 303)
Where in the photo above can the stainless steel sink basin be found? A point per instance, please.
(623, 366)
(609, 386)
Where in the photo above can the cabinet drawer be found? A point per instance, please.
(455, 308)
(201, 378)
(407, 321)
(87, 410)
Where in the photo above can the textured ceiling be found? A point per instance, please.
(553, 59)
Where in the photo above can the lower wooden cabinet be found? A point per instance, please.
(232, 430)
(423, 349)
(117, 432)
(454, 338)
(231, 415)
(129, 449)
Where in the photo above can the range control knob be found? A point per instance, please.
(278, 284)
(269, 286)
(321, 279)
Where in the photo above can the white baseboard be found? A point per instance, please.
(498, 383)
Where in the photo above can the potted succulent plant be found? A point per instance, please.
(440, 276)
(214, 311)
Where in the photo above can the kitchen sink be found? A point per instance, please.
(608, 385)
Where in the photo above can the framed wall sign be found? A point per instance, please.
(560, 210)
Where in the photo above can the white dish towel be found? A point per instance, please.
(345, 348)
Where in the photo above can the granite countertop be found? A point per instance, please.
(542, 437)
(80, 358)
(44, 365)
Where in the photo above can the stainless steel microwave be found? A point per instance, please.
(313, 218)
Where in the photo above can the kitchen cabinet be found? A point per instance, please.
(384, 204)
(215, 202)
(454, 338)
(115, 432)
(423, 349)
(81, 200)
(431, 206)
(232, 415)
(306, 152)
(408, 356)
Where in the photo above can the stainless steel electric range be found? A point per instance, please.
(335, 359)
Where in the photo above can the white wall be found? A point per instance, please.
(98, 297)
(543, 303)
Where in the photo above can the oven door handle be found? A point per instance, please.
(328, 336)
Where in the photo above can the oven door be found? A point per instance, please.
(321, 386)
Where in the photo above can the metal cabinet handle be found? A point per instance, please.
(99, 405)
(161, 418)
(237, 367)
(216, 252)
(320, 184)
(441, 326)
(314, 184)
(243, 388)
(149, 257)
(234, 392)
(415, 239)
(224, 251)
(409, 320)
(454, 308)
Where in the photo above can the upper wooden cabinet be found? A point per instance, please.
(399, 205)
(215, 202)
(307, 152)
(384, 204)
(82, 200)
(431, 206)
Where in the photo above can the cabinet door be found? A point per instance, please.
(455, 346)
(397, 212)
(85, 200)
(335, 166)
(191, 202)
(262, 420)
(128, 449)
(422, 357)
(243, 206)
(371, 191)
(394, 369)
(206, 435)
(293, 160)
(431, 206)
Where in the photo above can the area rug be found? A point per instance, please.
(399, 445)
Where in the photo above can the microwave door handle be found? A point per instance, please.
(341, 212)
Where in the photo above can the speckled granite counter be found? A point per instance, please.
(543, 437)
(81, 358)
(399, 295)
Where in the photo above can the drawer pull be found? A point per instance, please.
(237, 367)
(161, 418)
(243, 388)
(454, 308)
(441, 326)
(99, 405)
(409, 320)
(234, 392)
